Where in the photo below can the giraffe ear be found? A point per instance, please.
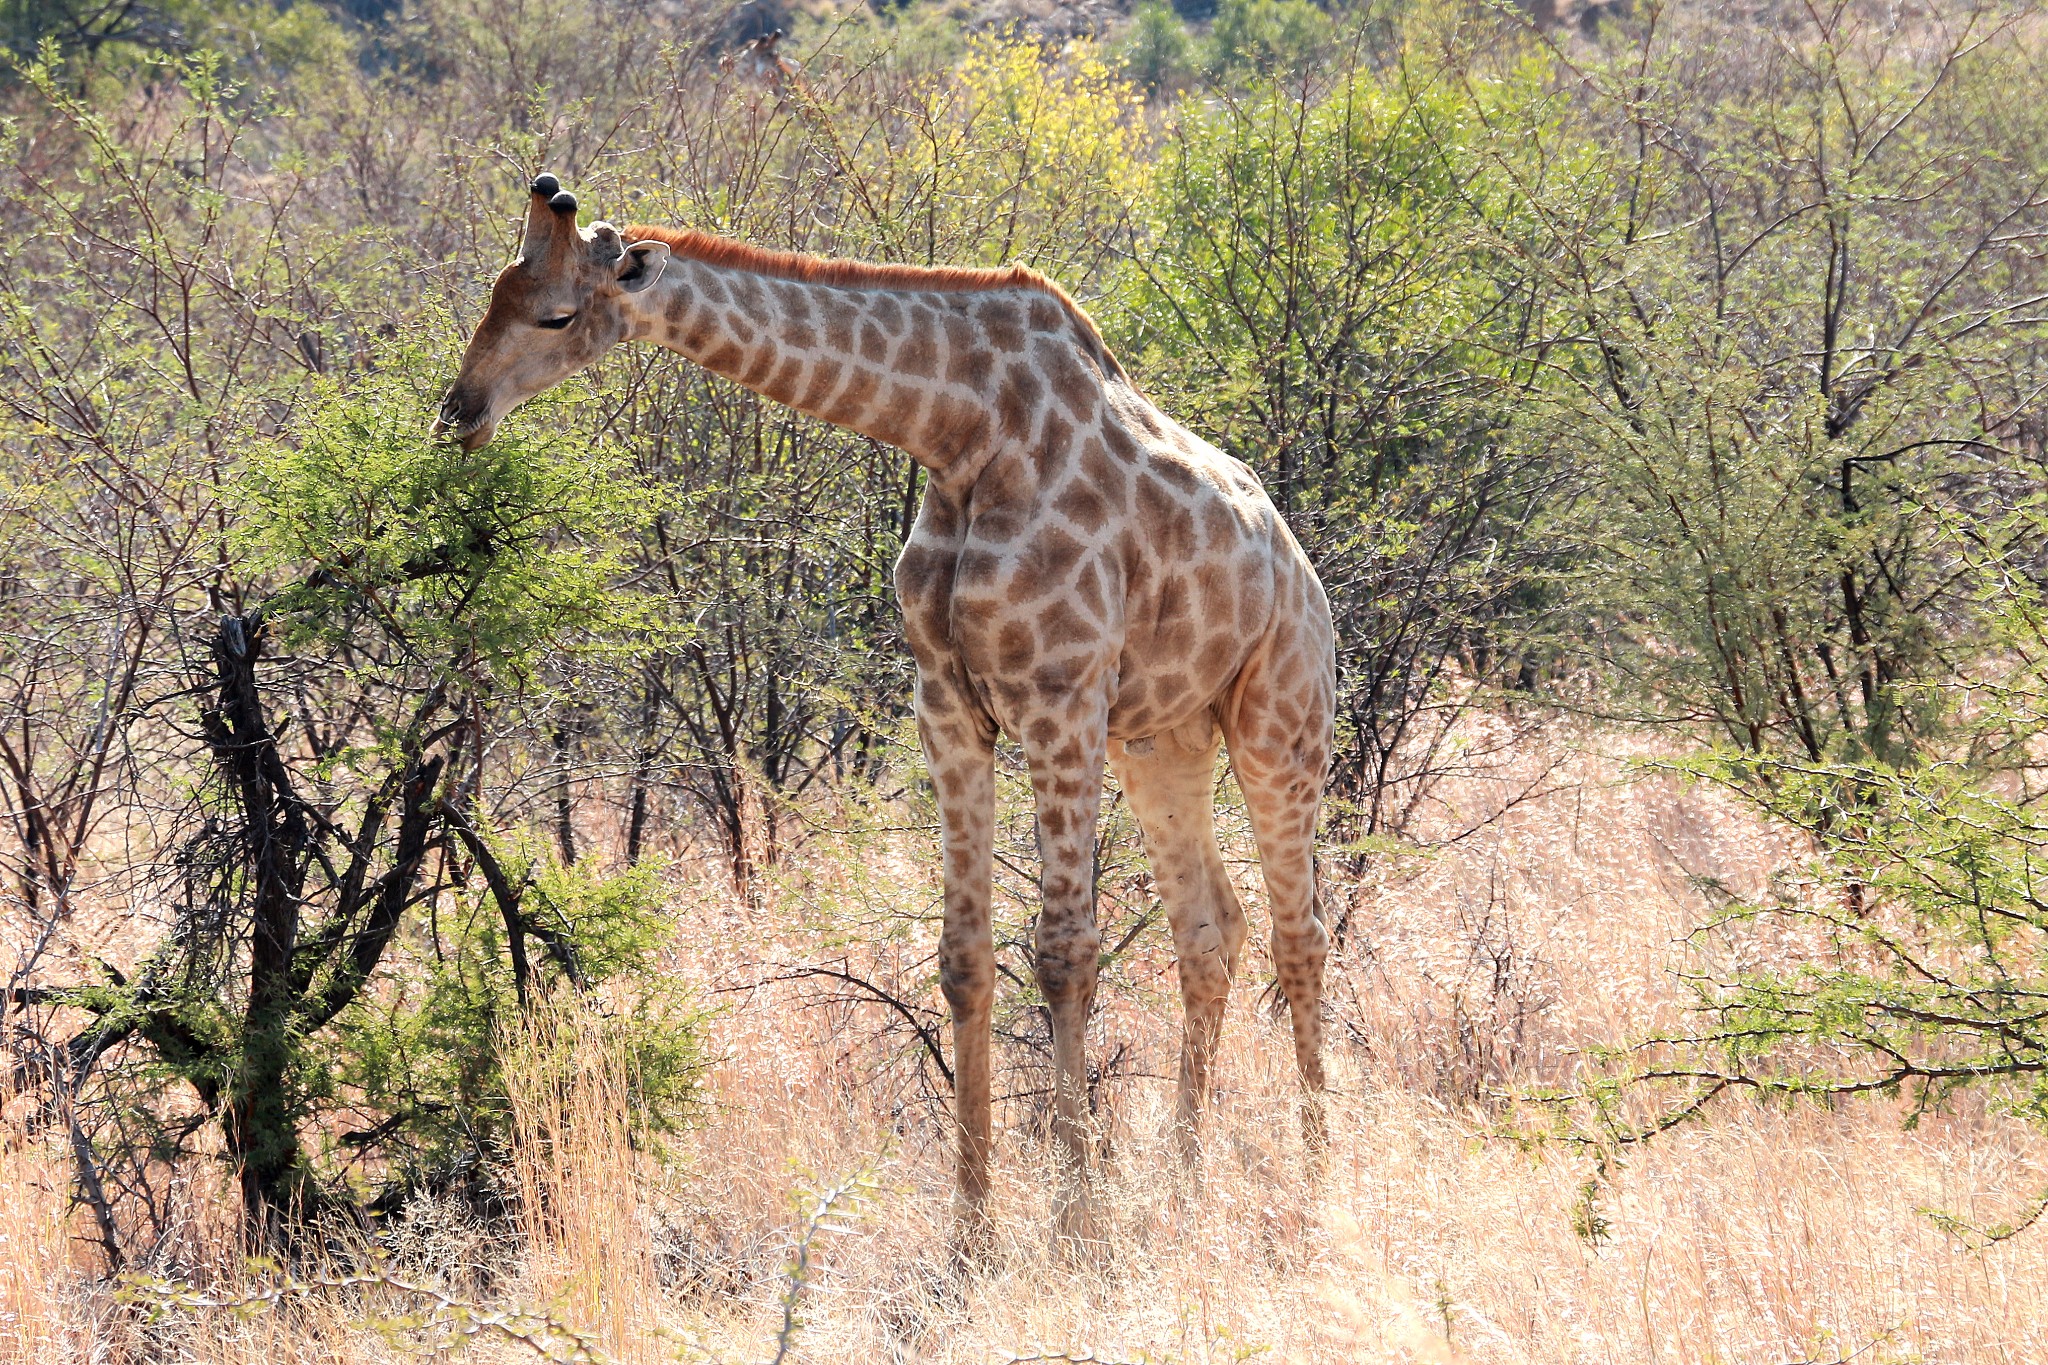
(642, 265)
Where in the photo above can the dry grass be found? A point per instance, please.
(1758, 1235)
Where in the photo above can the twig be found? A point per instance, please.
(843, 1195)
(542, 1333)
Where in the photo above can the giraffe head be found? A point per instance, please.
(553, 311)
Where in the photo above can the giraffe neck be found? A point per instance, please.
(935, 371)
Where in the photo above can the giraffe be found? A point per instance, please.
(1084, 576)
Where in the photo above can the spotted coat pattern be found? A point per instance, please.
(1084, 576)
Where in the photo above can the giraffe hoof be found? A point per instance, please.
(973, 1245)
(1074, 1226)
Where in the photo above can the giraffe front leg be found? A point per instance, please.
(961, 759)
(1066, 780)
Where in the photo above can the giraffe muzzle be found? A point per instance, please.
(464, 419)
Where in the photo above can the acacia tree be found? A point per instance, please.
(1925, 963)
(424, 587)
(1795, 301)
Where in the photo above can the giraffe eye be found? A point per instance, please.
(557, 324)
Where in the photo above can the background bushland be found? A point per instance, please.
(1671, 367)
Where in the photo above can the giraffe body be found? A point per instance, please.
(1084, 576)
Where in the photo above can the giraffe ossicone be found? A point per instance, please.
(1084, 575)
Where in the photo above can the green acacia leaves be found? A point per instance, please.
(481, 562)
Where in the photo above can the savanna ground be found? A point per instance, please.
(1758, 1233)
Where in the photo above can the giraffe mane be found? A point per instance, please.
(807, 269)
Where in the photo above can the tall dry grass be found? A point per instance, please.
(1756, 1235)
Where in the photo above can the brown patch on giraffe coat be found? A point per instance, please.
(1254, 603)
(970, 365)
(999, 501)
(795, 299)
(711, 289)
(973, 613)
(782, 388)
(724, 358)
(1082, 505)
(1105, 475)
(1175, 474)
(824, 383)
(889, 313)
(1017, 401)
(1069, 379)
(939, 515)
(874, 343)
(1220, 525)
(1000, 318)
(696, 337)
(840, 320)
(1046, 562)
(1121, 447)
(798, 336)
(1175, 639)
(1059, 625)
(918, 355)
(1055, 448)
(1217, 656)
(1165, 522)
(746, 292)
(977, 568)
(1015, 647)
(1171, 604)
(859, 393)
(1088, 592)
(1000, 524)
(1137, 567)
(1215, 589)
(758, 369)
(924, 563)
(952, 425)
(898, 418)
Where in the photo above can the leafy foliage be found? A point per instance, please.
(480, 562)
(1801, 352)
(1663, 375)
(428, 1052)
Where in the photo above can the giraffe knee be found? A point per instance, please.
(1231, 923)
(1205, 963)
(1299, 954)
(1067, 958)
(967, 977)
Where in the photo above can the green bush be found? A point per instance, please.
(423, 1062)
(1157, 51)
(1277, 38)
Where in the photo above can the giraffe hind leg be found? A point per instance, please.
(1279, 735)
(1170, 782)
